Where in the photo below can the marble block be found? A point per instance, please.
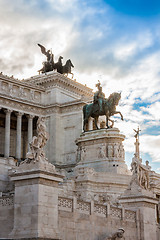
(36, 201)
(102, 150)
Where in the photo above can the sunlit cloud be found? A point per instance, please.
(120, 50)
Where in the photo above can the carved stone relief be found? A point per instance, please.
(115, 150)
(102, 151)
(19, 91)
(83, 154)
(110, 151)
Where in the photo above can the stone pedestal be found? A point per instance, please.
(144, 202)
(102, 150)
(36, 201)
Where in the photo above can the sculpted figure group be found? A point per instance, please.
(38, 142)
(50, 65)
(140, 171)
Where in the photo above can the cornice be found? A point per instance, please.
(40, 109)
(21, 82)
(52, 79)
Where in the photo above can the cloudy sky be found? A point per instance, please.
(115, 41)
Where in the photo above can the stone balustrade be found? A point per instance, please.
(19, 90)
(89, 208)
(6, 201)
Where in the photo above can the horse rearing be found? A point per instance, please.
(109, 109)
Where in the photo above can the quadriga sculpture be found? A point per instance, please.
(50, 65)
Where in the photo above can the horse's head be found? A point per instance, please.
(69, 63)
(60, 59)
(114, 98)
(117, 97)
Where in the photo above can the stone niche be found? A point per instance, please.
(102, 150)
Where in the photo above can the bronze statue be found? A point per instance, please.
(99, 96)
(101, 106)
(49, 65)
(137, 133)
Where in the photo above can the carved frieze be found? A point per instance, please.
(17, 106)
(17, 90)
(102, 151)
(115, 150)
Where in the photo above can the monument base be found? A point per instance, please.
(36, 201)
(102, 150)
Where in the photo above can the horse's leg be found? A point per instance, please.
(84, 125)
(95, 121)
(116, 112)
(85, 121)
(107, 122)
(112, 121)
(72, 75)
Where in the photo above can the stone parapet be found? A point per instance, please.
(145, 203)
(36, 201)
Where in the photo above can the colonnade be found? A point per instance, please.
(18, 132)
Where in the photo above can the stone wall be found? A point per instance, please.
(6, 216)
(78, 220)
(87, 220)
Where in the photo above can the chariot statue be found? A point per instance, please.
(50, 65)
(101, 106)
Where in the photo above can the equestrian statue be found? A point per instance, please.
(101, 106)
(50, 65)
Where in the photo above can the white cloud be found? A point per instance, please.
(124, 60)
(128, 48)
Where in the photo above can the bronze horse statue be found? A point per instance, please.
(109, 109)
(50, 65)
(67, 67)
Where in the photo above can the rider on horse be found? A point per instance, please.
(99, 96)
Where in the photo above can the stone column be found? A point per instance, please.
(90, 124)
(36, 202)
(7, 133)
(19, 128)
(30, 129)
(98, 123)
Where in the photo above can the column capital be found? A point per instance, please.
(29, 116)
(8, 111)
(19, 114)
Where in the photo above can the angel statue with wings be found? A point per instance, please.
(49, 64)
